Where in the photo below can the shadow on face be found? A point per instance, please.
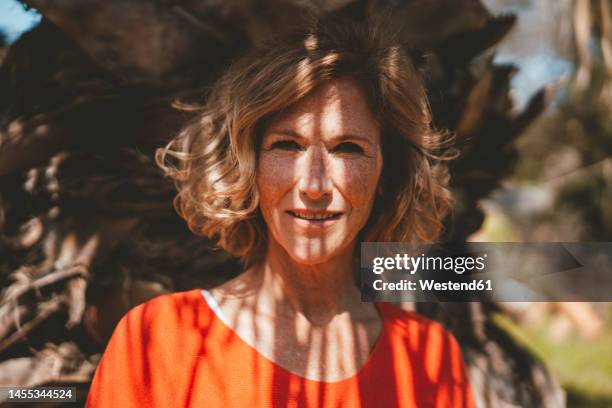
(318, 172)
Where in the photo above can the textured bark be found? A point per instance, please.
(87, 229)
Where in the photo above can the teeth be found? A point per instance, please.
(314, 216)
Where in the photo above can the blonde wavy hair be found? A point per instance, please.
(213, 160)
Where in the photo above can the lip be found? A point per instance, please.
(313, 224)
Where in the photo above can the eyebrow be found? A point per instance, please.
(339, 138)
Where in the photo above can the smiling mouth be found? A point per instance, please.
(309, 216)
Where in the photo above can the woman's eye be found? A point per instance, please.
(348, 147)
(286, 145)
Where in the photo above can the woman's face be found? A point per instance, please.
(318, 172)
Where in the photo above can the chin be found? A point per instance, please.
(312, 254)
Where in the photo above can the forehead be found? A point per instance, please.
(334, 108)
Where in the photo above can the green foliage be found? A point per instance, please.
(584, 367)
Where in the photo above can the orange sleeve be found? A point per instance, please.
(152, 355)
(121, 379)
(454, 388)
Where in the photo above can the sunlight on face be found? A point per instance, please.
(318, 172)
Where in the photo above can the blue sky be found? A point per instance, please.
(14, 19)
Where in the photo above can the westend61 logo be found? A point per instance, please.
(412, 264)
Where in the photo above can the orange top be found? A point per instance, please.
(174, 351)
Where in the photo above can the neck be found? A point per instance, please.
(318, 292)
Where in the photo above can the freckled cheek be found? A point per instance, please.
(274, 179)
(358, 181)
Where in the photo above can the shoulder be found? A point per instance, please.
(423, 346)
(139, 363)
(426, 341)
(160, 328)
(167, 314)
(170, 304)
(407, 321)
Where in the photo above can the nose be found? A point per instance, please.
(315, 181)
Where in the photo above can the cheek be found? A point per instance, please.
(273, 179)
(359, 182)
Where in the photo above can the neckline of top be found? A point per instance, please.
(211, 303)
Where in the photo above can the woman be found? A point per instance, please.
(303, 150)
